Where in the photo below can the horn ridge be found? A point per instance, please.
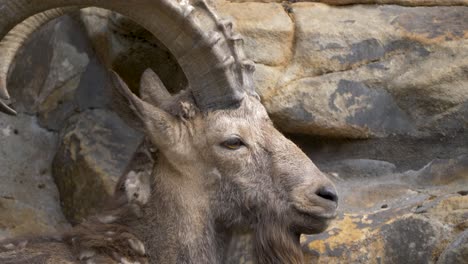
(235, 43)
(173, 23)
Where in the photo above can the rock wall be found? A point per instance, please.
(359, 71)
(375, 95)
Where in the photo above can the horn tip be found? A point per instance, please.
(6, 109)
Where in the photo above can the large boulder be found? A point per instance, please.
(96, 148)
(390, 218)
(364, 71)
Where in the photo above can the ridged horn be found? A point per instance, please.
(6, 109)
(186, 30)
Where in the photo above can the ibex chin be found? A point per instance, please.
(222, 165)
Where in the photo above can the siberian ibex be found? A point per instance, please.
(222, 164)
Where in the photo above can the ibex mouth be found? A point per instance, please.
(315, 215)
(312, 221)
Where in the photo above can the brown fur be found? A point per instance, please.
(200, 190)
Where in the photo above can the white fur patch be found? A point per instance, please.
(137, 187)
(126, 261)
(86, 254)
(216, 172)
(137, 246)
(9, 246)
(107, 219)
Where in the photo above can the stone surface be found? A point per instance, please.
(45, 82)
(359, 168)
(441, 172)
(368, 71)
(386, 219)
(96, 147)
(29, 200)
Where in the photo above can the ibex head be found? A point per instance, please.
(249, 173)
(219, 151)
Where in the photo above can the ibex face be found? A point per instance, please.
(248, 169)
(268, 172)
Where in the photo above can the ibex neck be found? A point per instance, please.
(177, 226)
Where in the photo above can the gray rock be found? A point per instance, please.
(48, 70)
(96, 148)
(360, 168)
(441, 172)
(29, 200)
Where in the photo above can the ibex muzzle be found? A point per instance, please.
(222, 163)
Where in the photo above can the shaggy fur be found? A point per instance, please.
(201, 189)
(216, 171)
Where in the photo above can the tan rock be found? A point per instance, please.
(368, 71)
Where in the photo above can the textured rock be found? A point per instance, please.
(368, 71)
(359, 168)
(441, 172)
(391, 235)
(95, 149)
(387, 219)
(29, 200)
(45, 82)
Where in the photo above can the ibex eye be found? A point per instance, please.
(233, 143)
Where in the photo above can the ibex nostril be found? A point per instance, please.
(328, 193)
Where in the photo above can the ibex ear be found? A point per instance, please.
(160, 125)
(152, 89)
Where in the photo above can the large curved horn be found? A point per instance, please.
(209, 53)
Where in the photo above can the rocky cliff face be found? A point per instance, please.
(375, 95)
